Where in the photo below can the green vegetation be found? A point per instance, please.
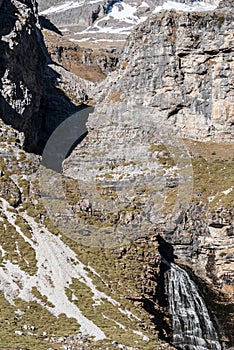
(213, 167)
(17, 250)
(41, 297)
(41, 324)
(164, 156)
(212, 179)
(222, 254)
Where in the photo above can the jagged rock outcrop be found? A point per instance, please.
(131, 166)
(31, 99)
(22, 68)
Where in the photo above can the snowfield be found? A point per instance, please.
(173, 5)
(66, 6)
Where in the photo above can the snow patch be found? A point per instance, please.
(172, 5)
(117, 323)
(129, 314)
(124, 12)
(144, 4)
(2, 251)
(66, 6)
(229, 190)
(144, 337)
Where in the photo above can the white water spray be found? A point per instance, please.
(192, 325)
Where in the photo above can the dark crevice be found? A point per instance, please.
(175, 111)
(160, 314)
(166, 249)
(109, 5)
(161, 320)
(45, 23)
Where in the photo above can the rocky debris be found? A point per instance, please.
(15, 165)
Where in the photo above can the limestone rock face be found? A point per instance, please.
(22, 67)
(178, 66)
(173, 79)
(205, 239)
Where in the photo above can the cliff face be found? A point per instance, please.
(177, 65)
(33, 277)
(173, 82)
(22, 67)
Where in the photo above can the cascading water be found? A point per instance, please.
(192, 326)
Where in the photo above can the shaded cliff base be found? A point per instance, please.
(36, 94)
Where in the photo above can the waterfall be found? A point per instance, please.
(192, 326)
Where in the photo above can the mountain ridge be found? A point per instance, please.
(109, 22)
